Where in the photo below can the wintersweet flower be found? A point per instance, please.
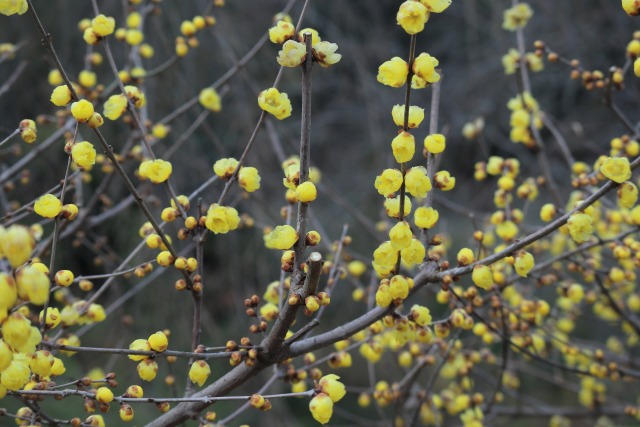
(249, 179)
(399, 287)
(28, 131)
(147, 369)
(210, 99)
(61, 95)
(199, 372)
(115, 106)
(292, 54)
(82, 110)
(83, 154)
(274, 102)
(393, 72)
(325, 54)
(222, 219)
(33, 285)
(224, 168)
(333, 388)
(627, 194)
(436, 6)
(482, 277)
(414, 253)
(156, 171)
(444, 181)
(315, 36)
(424, 67)
(16, 244)
(403, 147)
(435, 143)
(580, 226)
(388, 182)
(524, 262)
(517, 17)
(392, 206)
(306, 192)
(417, 182)
(632, 7)
(136, 96)
(617, 169)
(412, 16)
(138, 345)
(416, 116)
(158, 341)
(425, 217)
(11, 7)
(103, 25)
(400, 235)
(48, 206)
(321, 407)
(282, 237)
(282, 32)
(421, 315)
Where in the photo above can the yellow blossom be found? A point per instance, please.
(388, 182)
(580, 226)
(627, 194)
(393, 72)
(482, 277)
(436, 6)
(83, 154)
(282, 32)
(48, 206)
(292, 54)
(115, 106)
(147, 369)
(403, 147)
(632, 7)
(517, 16)
(412, 16)
(417, 182)
(249, 179)
(416, 116)
(282, 237)
(333, 388)
(321, 407)
(426, 217)
(33, 285)
(199, 372)
(306, 192)
(325, 54)
(444, 181)
(16, 244)
(82, 110)
(524, 262)
(136, 96)
(421, 315)
(424, 67)
(224, 168)
(617, 169)
(103, 25)
(274, 102)
(392, 206)
(158, 341)
(11, 7)
(414, 253)
(400, 235)
(156, 171)
(210, 99)
(435, 143)
(221, 219)
(61, 95)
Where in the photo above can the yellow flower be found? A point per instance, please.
(115, 106)
(138, 345)
(11, 7)
(28, 131)
(134, 37)
(269, 311)
(399, 287)
(426, 217)
(392, 206)
(435, 143)
(17, 374)
(412, 16)
(517, 16)
(617, 169)
(16, 244)
(282, 237)
(83, 154)
(321, 407)
(465, 256)
(444, 181)
(333, 388)
(627, 194)
(53, 317)
(482, 276)
(33, 285)
(306, 192)
(417, 182)
(156, 171)
(16, 330)
(315, 36)
(416, 116)
(282, 32)
(199, 372)
(436, 6)
(48, 206)
(82, 110)
(383, 295)
(403, 147)
(221, 219)
(414, 253)
(210, 99)
(147, 369)
(424, 67)
(524, 262)
(388, 182)
(547, 212)
(325, 54)
(292, 54)
(87, 78)
(158, 341)
(90, 36)
(61, 95)
(274, 102)
(103, 25)
(224, 168)
(580, 226)
(104, 395)
(400, 235)
(507, 230)
(136, 96)
(393, 72)
(632, 7)
(249, 179)
(421, 315)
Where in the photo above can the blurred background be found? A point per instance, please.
(351, 134)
